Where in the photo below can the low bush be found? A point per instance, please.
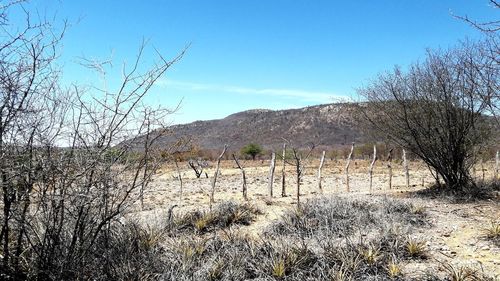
(224, 215)
(339, 217)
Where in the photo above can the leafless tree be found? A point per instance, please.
(197, 168)
(298, 162)
(490, 49)
(489, 27)
(68, 168)
(435, 109)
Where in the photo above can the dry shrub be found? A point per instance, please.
(339, 217)
(224, 215)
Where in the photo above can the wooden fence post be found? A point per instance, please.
(321, 162)
(214, 180)
(271, 174)
(407, 170)
(283, 189)
(497, 164)
(481, 163)
(180, 180)
(389, 166)
(243, 175)
(372, 165)
(347, 168)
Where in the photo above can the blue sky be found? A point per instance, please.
(271, 54)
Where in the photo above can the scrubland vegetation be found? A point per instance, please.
(74, 183)
(326, 239)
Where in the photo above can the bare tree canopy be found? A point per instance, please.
(489, 27)
(490, 49)
(64, 182)
(436, 109)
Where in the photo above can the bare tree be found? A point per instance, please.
(68, 168)
(490, 49)
(488, 27)
(298, 159)
(435, 109)
(197, 168)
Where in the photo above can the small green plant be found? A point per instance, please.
(278, 268)
(493, 231)
(202, 224)
(394, 269)
(415, 248)
(371, 254)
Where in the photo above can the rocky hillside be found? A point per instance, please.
(326, 125)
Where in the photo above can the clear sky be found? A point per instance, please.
(271, 54)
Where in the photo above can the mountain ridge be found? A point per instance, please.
(325, 125)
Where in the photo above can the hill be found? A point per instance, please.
(328, 125)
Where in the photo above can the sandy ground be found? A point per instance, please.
(456, 233)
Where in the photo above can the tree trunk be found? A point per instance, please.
(371, 167)
(271, 174)
(348, 189)
(321, 162)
